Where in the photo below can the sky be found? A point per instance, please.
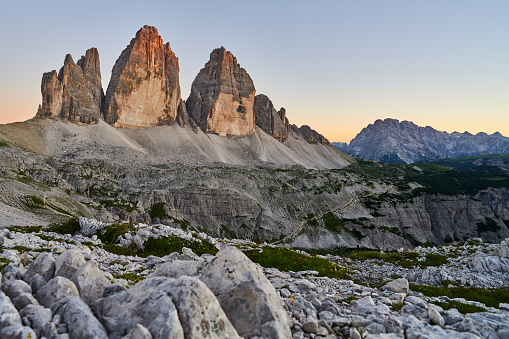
(334, 65)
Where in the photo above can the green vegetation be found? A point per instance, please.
(3, 263)
(404, 259)
(480, 163)
(70, 227)
(157, 211)
(111, 233)
(158, 247)
(35, 202)
(285, 259)
(398, 306)
(25, 229)
(461, 307)
(331, 222)
(164, 246)
(434, 179)
(489, 297)
(488, 225)
(4, 144)
(129, 276)
(394, 230)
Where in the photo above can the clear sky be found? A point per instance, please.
(334, 65)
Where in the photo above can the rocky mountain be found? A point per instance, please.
(310, 135)
(222, 96)
(393, 141)
(271, 121)
(144, 89)
(292, 193)
(75, 93)
(272, 182)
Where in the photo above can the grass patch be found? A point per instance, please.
(158, 247)
(4, 144)
(398, 306)
(3, 263)
(285, 259)
(489, 297)
(403, 259)
(25, 229)
(111, 233)
(164, 246)
(129, 276)
(70, 227)
(119, 250)
(461, 307)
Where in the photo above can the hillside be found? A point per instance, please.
(252, 187)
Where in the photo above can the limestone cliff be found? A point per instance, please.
(75, 93)
(222, 96)
(269, 120)
(311, 136)
(144, 89)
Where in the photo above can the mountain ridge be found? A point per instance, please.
(393, 141)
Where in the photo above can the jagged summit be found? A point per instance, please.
(390, 140)
(76, 93)
(270, 120)
(144, 89)
(222, 96)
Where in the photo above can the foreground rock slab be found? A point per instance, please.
(168, 308)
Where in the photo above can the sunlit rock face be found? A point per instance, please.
(144, 89)
(222, 96)
(75, 93)
(269, 120)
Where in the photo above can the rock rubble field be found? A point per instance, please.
(57, 285)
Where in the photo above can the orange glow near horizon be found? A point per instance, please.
(334, 126)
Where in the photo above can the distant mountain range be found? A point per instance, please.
(393, 141)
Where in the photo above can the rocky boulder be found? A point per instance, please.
(168, 308)
(81, 322)
(144, 89)
(269, 120)
(44, 265)
(246, 295)
(75, 93)
(222, 96)
(90, 282)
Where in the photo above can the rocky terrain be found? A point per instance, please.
(393, 141)
(78, 285)
(75, 93)
(251, 187)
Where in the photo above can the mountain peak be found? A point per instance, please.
(76, 93)
(222, 96)
(144, 89)
(392, 141)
